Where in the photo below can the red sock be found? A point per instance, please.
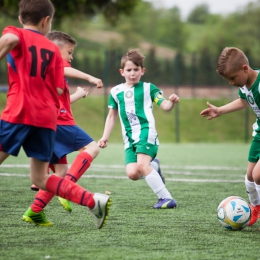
(62, 160)
(79, 166)
(41, 199)
(51, 166)
(70, 191)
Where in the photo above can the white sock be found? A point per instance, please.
(155, 182)
(253, 192)
(154, 165)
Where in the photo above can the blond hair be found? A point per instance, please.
(135, 56)
(231, 59)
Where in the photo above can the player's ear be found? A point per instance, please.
(245, 68)
(121, 72)
(45, 21)
(143, 71)
(20, 20)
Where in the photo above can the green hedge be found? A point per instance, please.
(90, 114)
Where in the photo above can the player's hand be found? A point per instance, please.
(102, 143)
(96, 81)
(174, 98)
(82, 91)
(211, 112)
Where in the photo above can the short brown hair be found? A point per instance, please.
(135, 56)
(61, 38)
(231, 59)
(32, 11)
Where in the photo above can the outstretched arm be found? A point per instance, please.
(7, 43)
(213, 111)
(74, 73)
(168, 105)
(80, 93)
(109, 125)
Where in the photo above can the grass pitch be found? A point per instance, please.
(199, 176)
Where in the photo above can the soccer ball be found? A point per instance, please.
(234, 213)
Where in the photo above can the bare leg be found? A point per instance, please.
(3, 156)
(38, 173)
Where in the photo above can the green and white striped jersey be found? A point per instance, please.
(252, 96)
(134, 105)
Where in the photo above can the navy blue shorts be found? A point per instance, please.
(69, 138)
(37, 142)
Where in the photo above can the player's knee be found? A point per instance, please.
(256, 177)
(249, 176)
(39, 182)
(61, 169)
(95, 151)
(61, 173)
(141, 167)
(133, 175)
(92, 149)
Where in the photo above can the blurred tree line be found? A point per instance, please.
(78, 9)
(196, 42)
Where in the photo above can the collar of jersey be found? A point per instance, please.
(33, 31)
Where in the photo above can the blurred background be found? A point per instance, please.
(181, 40)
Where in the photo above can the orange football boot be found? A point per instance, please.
(255, 211)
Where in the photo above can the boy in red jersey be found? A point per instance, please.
(29, 120)
(78, 139)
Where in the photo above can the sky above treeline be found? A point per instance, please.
(215, 6)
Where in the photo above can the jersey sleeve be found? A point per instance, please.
(13, 30)
(112, 102)
(66, 63)
(156, 95)
(59, 71)
(241, 94)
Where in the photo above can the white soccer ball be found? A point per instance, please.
(234, 213)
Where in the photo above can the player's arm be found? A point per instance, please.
(74, 73)
(80, 93)
(109, 125)
(168, 105)
(7, 43)
(213, 111)
(59, 91)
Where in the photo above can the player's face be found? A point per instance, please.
(67, 52)
(132, 73)
(238, 78)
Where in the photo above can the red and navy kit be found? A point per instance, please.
(69, 136)
(35, 70)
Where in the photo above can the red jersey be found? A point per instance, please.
(34, 72)
(65, 115)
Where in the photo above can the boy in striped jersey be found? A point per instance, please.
(133, 102)
(233, 66)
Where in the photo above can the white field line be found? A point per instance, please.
(116, 166)
(89, 176)
(120, 169)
